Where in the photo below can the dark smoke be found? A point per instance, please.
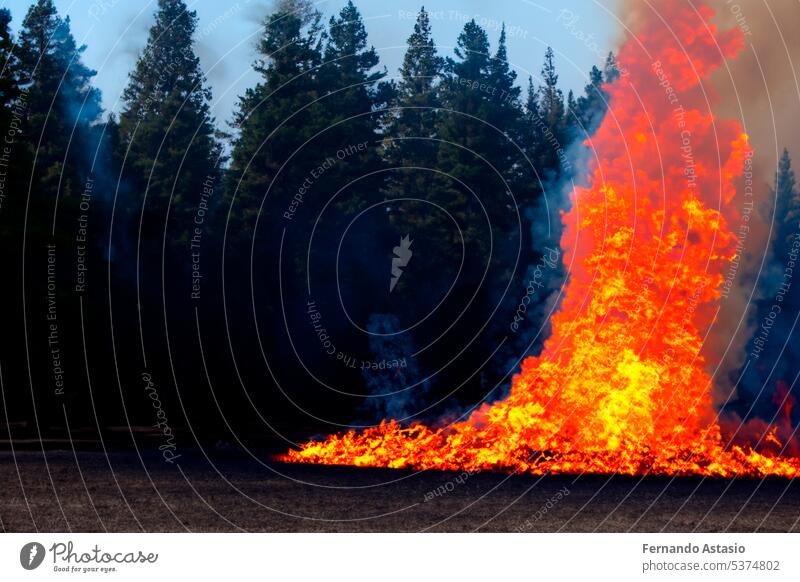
(758, 88)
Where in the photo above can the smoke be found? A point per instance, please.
(761, 85)
(393, 378)
(758, 88)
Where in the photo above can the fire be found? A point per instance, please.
(621, 385)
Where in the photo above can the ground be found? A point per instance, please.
(231, 491)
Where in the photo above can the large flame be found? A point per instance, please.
(621, 386)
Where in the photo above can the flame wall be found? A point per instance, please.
(621, 385)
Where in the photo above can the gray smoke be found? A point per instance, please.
(393, 377)
(759, 88)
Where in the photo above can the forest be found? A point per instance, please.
(352, 245)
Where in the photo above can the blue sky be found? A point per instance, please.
(115, 31)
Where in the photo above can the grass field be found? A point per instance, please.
(89, 491)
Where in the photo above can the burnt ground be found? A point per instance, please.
(231, 491)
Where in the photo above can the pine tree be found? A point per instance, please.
(464, 133)
(271, 188)
(505, 114)
(533, 137)
(166, 129)
(61, 104)
(551, 99)
(532, 100)
(611, 70)
(787, 208)
(549, 123)
(592, 105)
(571, 117)
(776, 358)
(354, 102)
(503, 79)
(412, 129)
(57, 111)
(11, 110)
(348, 63)
(9, 89)
(480, 132)
(13, 184)
(277, 117)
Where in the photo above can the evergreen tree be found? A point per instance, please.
(354, 102)
(592, 105)
(348, 66)
(505, 114)
(12, 182)
(166, 202)
(533, 137)
(531, 105)
(787, 208)
(482, 133)
(166, 129)
(775, 358)
(11, 110)
(412, 129)
(9, 89)
(468, 138)
(546, 121)
(551, 99)
(57, 111)
(61, 103)
(276, 117)
(571, 115)
(273, 196)
(611, 70)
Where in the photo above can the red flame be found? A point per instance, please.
(621, 386)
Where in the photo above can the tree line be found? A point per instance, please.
(241, 278)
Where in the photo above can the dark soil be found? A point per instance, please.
(231, 491)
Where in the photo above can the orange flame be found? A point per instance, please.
(621, 385)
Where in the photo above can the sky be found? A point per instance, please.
(581, 33)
